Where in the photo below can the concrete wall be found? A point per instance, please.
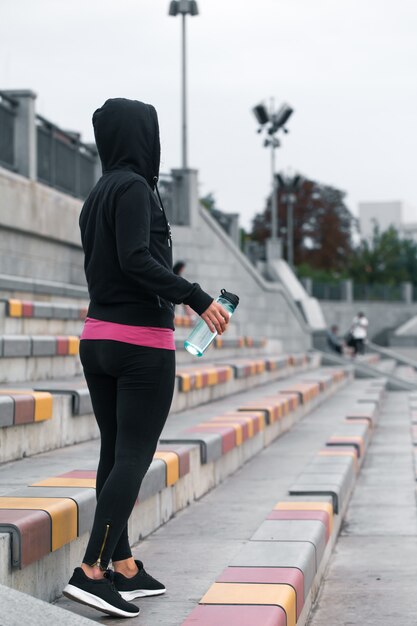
(215, 262)
(39, 233)
(381, 315)
(39, 238)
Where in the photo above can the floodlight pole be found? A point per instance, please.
(290, 228)
(183, 8)
(274, 204)
(184, 94)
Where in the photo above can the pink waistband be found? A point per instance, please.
(148, 336)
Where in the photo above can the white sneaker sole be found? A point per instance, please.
(141, 593)
(84, 597)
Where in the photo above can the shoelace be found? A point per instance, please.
(109, 574)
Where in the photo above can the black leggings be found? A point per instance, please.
(131, 390)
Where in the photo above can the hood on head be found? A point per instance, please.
(127, 137)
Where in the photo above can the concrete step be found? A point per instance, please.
(35, 288)
(377, 547)
(204, 539)
(17, 608)
(73, 421)
(45, 578)
(39, 356)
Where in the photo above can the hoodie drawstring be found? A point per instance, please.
(167, 225)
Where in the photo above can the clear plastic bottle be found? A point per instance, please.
(201, 336)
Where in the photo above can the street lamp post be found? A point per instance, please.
(290, 186)
(271, 122)
(184, 8)
(290, 228)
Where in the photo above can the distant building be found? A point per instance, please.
(409, 231)
(384, 214)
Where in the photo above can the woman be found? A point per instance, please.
(127, 347)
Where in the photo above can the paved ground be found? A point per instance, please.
(192, 549)
(372, 576)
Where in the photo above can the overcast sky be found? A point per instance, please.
(348, 67)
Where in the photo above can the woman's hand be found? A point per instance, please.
(216, 317)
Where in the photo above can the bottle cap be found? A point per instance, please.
(233, 299)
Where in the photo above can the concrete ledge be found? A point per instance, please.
(284, 544)
(14, 604)
(147, 515)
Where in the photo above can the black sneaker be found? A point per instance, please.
(99, 594)
(139, 586)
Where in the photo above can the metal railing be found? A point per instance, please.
(376, 292)
(63, 161)
(327, 291)
(8, 107)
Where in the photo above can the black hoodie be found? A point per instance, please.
(124, 230)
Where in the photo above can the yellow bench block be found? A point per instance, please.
(63, 513)
(237, 427)
(198, 380)
(56, 481)
(73, 345)
(242, 416)
(43, 405)
(172, 462)
(213, 377)
(43, 402)
(185, 382)
(15, 308)
(247, 593)
(260, 406)
(254, 412)
(307, 506)
(223, 421)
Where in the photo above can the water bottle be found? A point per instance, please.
(201, 336)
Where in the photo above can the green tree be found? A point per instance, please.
(385, 258)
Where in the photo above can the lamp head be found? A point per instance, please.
(184, 7)
(282, 115)
(173, 8)
(261, 114)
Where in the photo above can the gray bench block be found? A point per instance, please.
(332, 460)
(307, 498)
(84, 497)
(353, 429)
(17, 345)
(43, 310)
(332, 468)
(211, 448)
(81, 400)
(154, 481)
(312, 531)
(74, 313)
(313, 486)
(61, 311)
(6, 411)
(299, 554)
(43, 345)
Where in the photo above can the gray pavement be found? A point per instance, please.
(371, 579)
(189, 552)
